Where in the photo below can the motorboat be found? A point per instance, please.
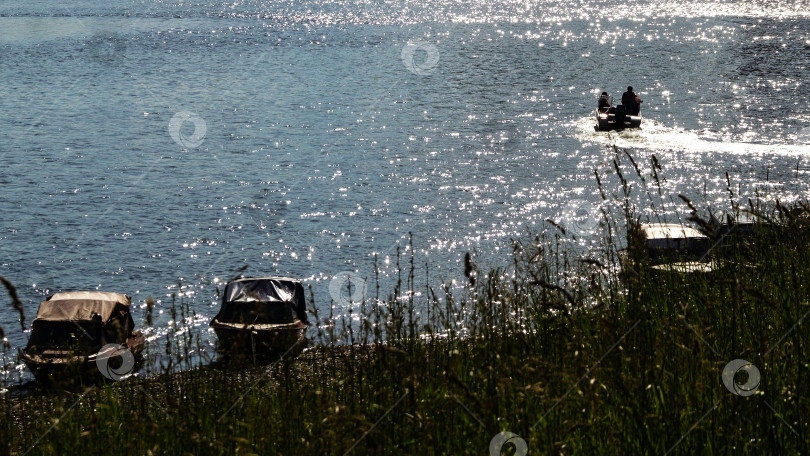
(84, 335)
(261, 316)
(609, 117)
(615, 118)
(668, 247)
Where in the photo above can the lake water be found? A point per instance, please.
(148, 143)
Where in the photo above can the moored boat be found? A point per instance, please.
(83, 335)
(668, 248)
(262, 316)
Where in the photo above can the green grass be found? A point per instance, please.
(568, 354)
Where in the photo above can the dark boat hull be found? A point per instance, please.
(610, 121)
(70, 368)
(266, 341)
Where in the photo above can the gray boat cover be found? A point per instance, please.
(95, 316)
(263, 300)
(83, 306)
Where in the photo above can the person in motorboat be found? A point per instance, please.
(604, 101)
(631, 101)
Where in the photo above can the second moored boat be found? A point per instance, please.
(670, 248)
(261, 316)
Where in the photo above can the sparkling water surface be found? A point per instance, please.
(147, 144)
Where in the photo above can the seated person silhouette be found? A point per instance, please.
(604, 101)
(631, 102)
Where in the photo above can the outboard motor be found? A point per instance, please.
(621, 114)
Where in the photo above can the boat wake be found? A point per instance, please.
(655, 136)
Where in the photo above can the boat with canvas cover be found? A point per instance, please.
(76, 334)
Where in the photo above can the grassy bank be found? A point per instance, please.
(558, 349)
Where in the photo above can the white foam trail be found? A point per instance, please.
(656, 136)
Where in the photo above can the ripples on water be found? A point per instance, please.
(323, 149)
